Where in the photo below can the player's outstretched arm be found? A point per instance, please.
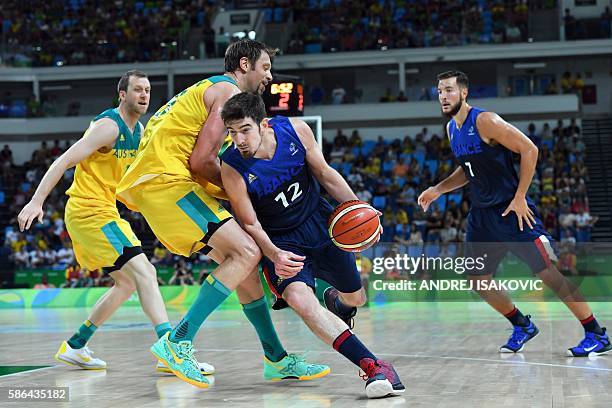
(456, 180)
(204, 161)
(491, 126)
(286, 264)
(101, 134)
(329, 178)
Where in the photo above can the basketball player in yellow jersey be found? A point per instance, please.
(101, 239)
(172, 183)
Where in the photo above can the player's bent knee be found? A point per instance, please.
(247, 252)
(231, 241)
(252, 252)
(152, 270)
(361, 299)
(302, 301)
(238, 245)
(355, 299)
(148, 270)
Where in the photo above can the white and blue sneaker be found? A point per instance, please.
(520, 336)
(593, 344)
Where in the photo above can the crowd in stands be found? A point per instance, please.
(315, 95)
(579, 29)
(184, 272)
(184, 269)
(567, 83)
(47, 245)
(20, 107)
(390, 174)
(342, 25)
(74, 32)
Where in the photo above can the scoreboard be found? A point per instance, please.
(285, 96)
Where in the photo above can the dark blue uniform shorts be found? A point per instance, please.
(490, 234)
(323, 260)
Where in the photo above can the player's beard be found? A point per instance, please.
(261, 88)
(248, 154)
(454, 109)
(245, 155)
(136, 108)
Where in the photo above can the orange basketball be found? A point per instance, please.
(354, 226)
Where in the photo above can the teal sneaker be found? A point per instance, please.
(293, 367)
(178, 357)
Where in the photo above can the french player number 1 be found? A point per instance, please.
(296, 193)
(470, 167)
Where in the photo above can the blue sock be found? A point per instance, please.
(259, 315)
(517, 318)
(350, 347)
(591, 325)
(162, 329)
(212, 294)
(81, 337)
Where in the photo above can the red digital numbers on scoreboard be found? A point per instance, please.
(285, 97)
(301, 98)
(283, 101)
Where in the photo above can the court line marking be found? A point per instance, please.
(488, 360)
(27, 372)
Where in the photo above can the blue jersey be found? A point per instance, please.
(282, 190)
(489, 169)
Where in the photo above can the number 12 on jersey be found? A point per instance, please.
(469, 165)
(296, 193)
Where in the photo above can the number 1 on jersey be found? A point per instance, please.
(470, 167)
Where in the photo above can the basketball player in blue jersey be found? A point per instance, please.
(272, 177)
(501, 212)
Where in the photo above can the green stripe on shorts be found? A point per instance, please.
(116, 237)
(197, 210)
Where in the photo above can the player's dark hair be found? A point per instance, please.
(462, 79)
(124, 81)
(245, 48)
(244, 105)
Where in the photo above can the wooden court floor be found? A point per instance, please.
(445, 353)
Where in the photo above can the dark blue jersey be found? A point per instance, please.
(283, 192)
(489, 169)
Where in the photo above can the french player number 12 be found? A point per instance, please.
(296, 193)
(470, 167)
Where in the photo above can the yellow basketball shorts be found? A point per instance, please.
(98, 234)
(179, 211)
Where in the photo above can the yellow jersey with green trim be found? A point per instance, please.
(96, 178)
(170, 137)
